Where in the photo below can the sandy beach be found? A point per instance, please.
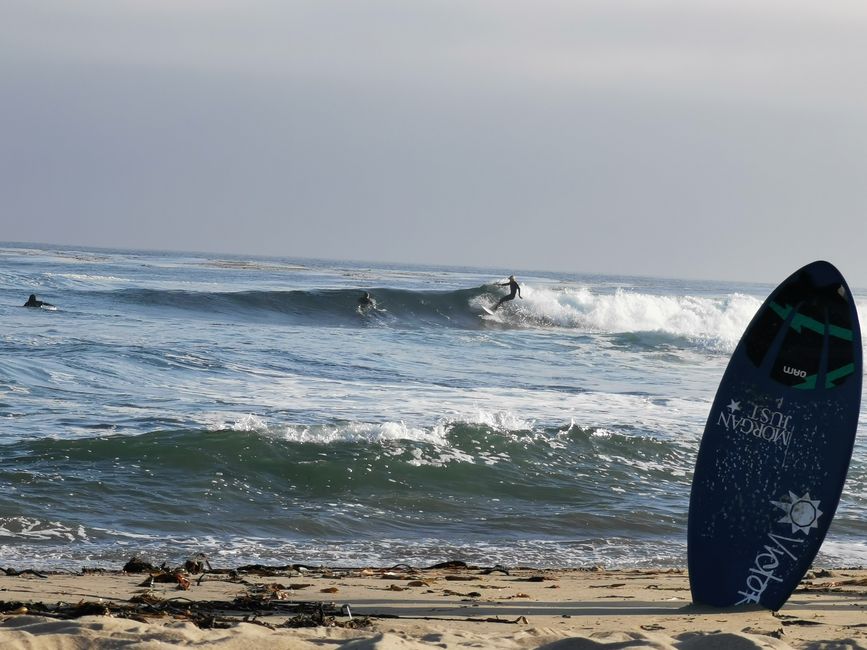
(406, 607)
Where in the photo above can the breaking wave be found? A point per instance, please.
(345, 480)
(715, 322)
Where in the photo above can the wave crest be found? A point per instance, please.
(711, 321)
(717, 322)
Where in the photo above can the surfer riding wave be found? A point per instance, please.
(514, 288)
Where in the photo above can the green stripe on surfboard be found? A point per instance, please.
(800, 321)
(830, 378)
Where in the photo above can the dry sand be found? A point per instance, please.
(438, 608)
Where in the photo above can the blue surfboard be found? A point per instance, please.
(777, 444)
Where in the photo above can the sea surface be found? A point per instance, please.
(181, 403)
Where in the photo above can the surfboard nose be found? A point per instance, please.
(822, 273)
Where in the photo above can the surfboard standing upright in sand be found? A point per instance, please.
(777, 444)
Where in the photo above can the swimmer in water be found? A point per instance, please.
(33, 302)
(514, 288)
(366, 302)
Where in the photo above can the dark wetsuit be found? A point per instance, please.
(33, 302)
(365, 302)
(513, 288)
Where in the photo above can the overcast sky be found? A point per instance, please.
(718, 139)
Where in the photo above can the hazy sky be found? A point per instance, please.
(691, 138)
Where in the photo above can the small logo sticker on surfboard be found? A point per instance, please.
(797, 372)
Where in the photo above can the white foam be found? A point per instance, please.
(718, 321)
(408, 413)
(333, 433)
(248, 422)
(88, 277)
(366, 432)
(861, 307)
(837, 553)
(500, 420)
(35, 529)
(442, 458)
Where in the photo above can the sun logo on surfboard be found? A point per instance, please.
(802, 512)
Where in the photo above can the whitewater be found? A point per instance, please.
(246, 408)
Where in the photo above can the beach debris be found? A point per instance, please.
(329, 590)
(301, 568)
(319, 617)
(265, 570)
(210, 622)
(801, 621)
(521, 620)
(469, 594)
(457, 577)
(176, 576)
(395, 588)
(17, 607)
(396, 576)
(777, 634)
(418, 583)
(451, 564)
(834, 586)
(308, 620)
(137, 565)
(268, 597)
(498, 568)
(86, 571)
(147, 598)
(852, 582)
(269, 590)
(13, 573)
(652, 627)
(197, 564)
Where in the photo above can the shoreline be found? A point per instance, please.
(447, 605)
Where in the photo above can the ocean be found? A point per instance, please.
(171, 404)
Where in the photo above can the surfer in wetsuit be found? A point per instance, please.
(513, 288)
(365, 302)
(33, 302)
